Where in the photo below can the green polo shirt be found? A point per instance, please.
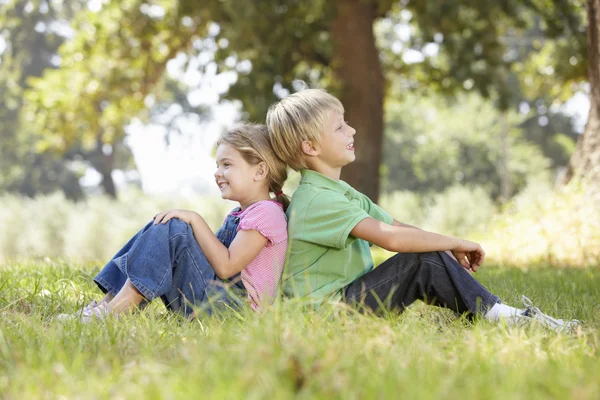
(322, 256)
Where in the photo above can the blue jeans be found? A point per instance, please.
(165, 261)
(434, 277)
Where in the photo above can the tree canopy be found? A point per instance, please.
(113, 68)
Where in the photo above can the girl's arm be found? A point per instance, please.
(225, 261)
(409, 240)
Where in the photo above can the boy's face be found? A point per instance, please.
(336, 146)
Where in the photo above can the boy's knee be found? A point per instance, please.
(431, 257)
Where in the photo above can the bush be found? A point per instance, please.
(52, 226)
(457, 211)
(544, 226)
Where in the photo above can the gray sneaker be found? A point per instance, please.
(557, 325)
(78, 314)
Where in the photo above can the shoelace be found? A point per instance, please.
(530, 309)
(552, 323)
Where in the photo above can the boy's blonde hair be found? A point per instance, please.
(252, 141)
(298, 117)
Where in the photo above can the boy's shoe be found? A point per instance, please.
(95, 313)
(78, 314)
(557, 325)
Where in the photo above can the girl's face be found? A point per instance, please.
(235, 177)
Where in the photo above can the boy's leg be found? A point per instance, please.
(434, 277)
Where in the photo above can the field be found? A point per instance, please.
(292, 350)
(542, 245)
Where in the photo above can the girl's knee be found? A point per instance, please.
(173, 227)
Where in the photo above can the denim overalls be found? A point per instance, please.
(166, 261)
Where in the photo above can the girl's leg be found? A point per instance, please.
(127, 299)
(111, 279)
(166, 261)
(434, 277)
(195, 285)
(107, 298)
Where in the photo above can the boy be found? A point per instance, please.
(331, 225)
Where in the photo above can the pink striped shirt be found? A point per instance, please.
(261, 277)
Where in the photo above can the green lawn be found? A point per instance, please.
(291, 351)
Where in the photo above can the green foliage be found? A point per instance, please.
(119, 52)
(511, 49)
(114, 67)
(271, 43)
(557, 49)
(469, 35)
(556, 139)
(31, 40)
(433, 143)
(458, 211)
(292, 351)
(109, 67)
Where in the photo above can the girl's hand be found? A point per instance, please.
(185, 215)
(469, 254)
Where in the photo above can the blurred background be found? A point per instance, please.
(474, 118)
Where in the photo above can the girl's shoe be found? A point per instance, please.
(557, 325)
(95, 313)
(78, 314)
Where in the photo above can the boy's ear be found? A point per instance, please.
(261, 172)
(309, 148)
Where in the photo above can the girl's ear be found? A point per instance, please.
(309, 148)
(262, 171)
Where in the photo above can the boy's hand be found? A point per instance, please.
(469, 254)
(184, 215)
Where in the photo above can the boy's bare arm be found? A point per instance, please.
(409, 240)
(398, 223)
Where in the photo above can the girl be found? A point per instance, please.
(176, 256)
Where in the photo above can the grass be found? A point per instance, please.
(291, 351)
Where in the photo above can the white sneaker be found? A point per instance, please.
(95, 313)
(557, 325)
(78, 314)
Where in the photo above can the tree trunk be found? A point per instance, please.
(505, 178)
(358, 71)
(585, 162)
(108, 184)
(105, 163)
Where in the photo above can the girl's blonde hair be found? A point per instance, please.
(298, 117)
(252, 141)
